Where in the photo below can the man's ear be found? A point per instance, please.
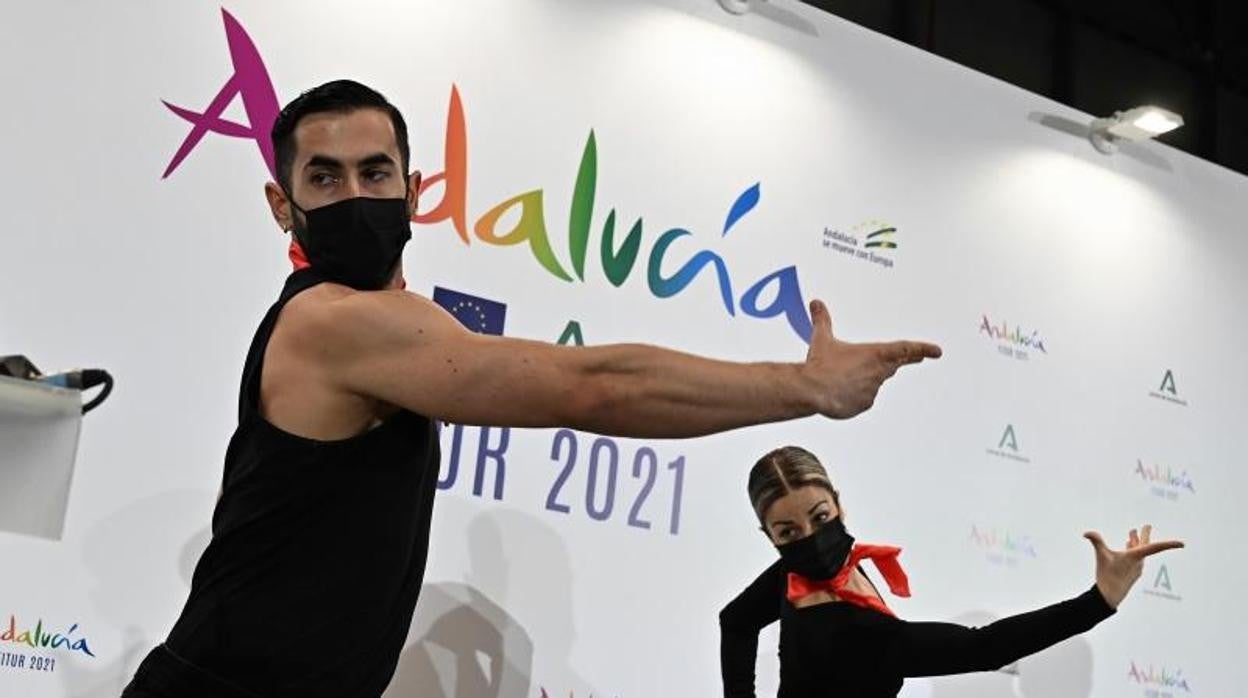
(279, 205)
(413, 192)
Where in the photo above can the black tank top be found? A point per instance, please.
(318, 550)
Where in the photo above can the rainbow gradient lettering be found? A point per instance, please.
(1002, 542)
(1014, 336)
(39, 639)
(1155, 677)
(250, 81)
(1168, 477)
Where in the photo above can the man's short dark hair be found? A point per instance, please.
(340, 96)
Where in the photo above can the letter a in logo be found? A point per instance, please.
(1163, 579)
(1008, 439)
(250, 81)
(1167, 383)
(572, 333)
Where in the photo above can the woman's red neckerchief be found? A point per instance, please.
(885, 559)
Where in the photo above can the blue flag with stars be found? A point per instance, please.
(480, 315)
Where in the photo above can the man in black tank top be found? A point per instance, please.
(336, 440)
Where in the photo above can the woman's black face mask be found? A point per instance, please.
(822, 554)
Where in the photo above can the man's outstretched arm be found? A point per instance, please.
(405, 350)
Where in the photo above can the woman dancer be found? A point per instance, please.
(838, 637)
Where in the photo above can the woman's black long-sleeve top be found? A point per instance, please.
(848, 651)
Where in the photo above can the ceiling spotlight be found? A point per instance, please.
(736, 7)
(1138, 124)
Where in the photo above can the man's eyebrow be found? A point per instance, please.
(377, 159)
(323, 161)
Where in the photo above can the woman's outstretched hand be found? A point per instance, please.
(1117, 570)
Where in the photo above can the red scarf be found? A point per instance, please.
(297, 258)
(885, 559)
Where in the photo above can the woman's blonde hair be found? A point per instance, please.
(782, 471)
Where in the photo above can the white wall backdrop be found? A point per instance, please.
(1090, 308)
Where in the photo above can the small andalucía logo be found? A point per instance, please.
(1014, 342)
(1168, 391)
(1007, 446)
(1162, 586)
(1003, 547)
(1166, 482)
(1162, 678)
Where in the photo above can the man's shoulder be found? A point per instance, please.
(330, 315)
(316, 311)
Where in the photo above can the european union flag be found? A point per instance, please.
(477, 314)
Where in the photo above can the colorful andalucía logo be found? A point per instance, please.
(1002, 547)
(1149, 675)
(1014, 338)
(1166, 482)
(775, 294)
(40, 637)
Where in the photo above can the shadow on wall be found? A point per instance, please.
(465, 641)
(131, 597)
(1062, 671)
(465, 645)
(784, 17)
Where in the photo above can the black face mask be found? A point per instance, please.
(355, 242)
(822, 554)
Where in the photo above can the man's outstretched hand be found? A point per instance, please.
(847, 376)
